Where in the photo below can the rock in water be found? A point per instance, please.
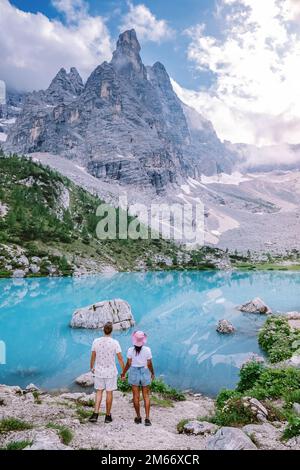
(255, 306)
(95, 316)
(225, 327)
(230, 439)
(85, 380)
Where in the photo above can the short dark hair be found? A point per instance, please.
(108, 327)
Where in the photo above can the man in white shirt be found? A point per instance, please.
(104, 369)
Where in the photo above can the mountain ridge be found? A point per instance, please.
(125, 123)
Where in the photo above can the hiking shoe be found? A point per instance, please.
(94, 418)
(148, 422)
(108, 419)
(138, 420)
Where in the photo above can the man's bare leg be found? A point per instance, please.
(98, 400)
(109, 401)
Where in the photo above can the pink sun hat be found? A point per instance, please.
(139, 338)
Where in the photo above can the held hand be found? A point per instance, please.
(123, 378)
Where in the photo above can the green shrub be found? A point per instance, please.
(277, 339)
(158, 386)
(224, 396)
(233, 413)
(181, 424)
(276, 383)
(13, 424)
(249, 375)
(293, 428)
(65, 433)
(291, 398)
(123, 385)
(17, 445)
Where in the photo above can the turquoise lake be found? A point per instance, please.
(178, 310)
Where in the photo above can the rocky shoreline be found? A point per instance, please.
(37, 420)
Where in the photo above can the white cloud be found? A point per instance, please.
(33, 47)
(74, 10)
(146, 25)
(255, 97)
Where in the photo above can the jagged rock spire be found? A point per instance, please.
(126, 58)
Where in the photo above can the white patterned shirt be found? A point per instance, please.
(106, 349)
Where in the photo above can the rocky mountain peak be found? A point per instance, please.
(65, 85)
(128, 41)
(126, 58)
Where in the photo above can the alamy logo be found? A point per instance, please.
(182, 223)
(2, 353)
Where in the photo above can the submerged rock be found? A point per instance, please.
(95, 316)
(230, 439)
(199, 427)
(225, 327)
(255, 306)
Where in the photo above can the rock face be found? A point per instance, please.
(95, 316)
(126, 123)
(255, 306)
(225, 327)
(200, 428)
(230, 439)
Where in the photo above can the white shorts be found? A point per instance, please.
(106, 384)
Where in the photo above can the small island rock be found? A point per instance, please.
(225, 327)
(255, 306)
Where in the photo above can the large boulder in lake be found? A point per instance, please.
(95, 316)
(255, 306)
(230, 439)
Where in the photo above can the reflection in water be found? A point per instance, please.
(179, 311)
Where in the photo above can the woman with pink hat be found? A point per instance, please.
(141, 372)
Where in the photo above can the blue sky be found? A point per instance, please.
(179, 14)
(236, 62)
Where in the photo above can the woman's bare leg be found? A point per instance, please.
(136, 400)
(146, 396)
